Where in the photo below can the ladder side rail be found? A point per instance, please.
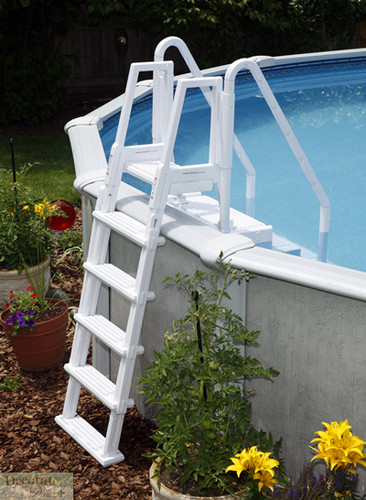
(294, 144)
(115, 166)
(251, 177)
(215, 124)
(160, 50)
(163, 84)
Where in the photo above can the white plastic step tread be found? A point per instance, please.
(123, 224)
(89, 438)
(107, 332)
(144, 170)
(95, 382)
(116, 279)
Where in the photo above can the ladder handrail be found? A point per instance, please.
(229, 92)
(173, 41)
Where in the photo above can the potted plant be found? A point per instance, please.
(36, 324)
(36, 327)
(342, 452)
(204, 409)
(26, 241)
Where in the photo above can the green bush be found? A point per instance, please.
(216, 31)
(32, 72)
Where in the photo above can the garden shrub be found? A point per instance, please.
(216, 31)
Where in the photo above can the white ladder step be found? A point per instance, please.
(116, 279)
(97, 384)
(187, 179)
(89, 438)
(123, 224)
(144, 170)
(107, 332)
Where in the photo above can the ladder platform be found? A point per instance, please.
(207, 210)
(129, 227)
(88, 438)
(107, 332)
(117, 279)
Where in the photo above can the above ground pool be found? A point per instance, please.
(325, 104)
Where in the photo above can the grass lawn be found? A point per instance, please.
(52, 174)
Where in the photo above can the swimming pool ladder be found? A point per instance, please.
(230, 140)
(152, 163)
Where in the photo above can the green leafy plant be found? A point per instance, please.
(25, 238)
(71, 242)
(70, 238)
(11, 384)
(197, 380)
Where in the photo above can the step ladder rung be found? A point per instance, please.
(109, 333)
(123, 224)
(95, 382)
(143, 170)
(89, 438)
(117, 279)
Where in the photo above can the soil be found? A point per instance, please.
(31, 441)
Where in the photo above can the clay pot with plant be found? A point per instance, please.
(36, 327)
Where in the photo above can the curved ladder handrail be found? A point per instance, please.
(224, 194)
(229, 95)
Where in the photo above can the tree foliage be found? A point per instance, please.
(32, 70)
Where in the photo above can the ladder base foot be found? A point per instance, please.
(89, 439)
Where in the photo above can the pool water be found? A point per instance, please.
(325, 105)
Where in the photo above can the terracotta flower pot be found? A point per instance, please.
(43, 347)
(11, 280)
(165, 493)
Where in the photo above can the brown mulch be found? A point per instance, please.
(31, 441)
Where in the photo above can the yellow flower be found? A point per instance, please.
(237, 467)
(338, 447)
(257, 463)
(45, 209)
(265, 478)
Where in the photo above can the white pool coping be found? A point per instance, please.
(207, 242)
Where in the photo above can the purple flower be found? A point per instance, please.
(30, 323)
(21, 322)
(355, 479)
(19, 315)
(29, 313)
(10, 320)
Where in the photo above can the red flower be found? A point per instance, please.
(34, 295)
(11, 297)
(29, 288)
(7, 306)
